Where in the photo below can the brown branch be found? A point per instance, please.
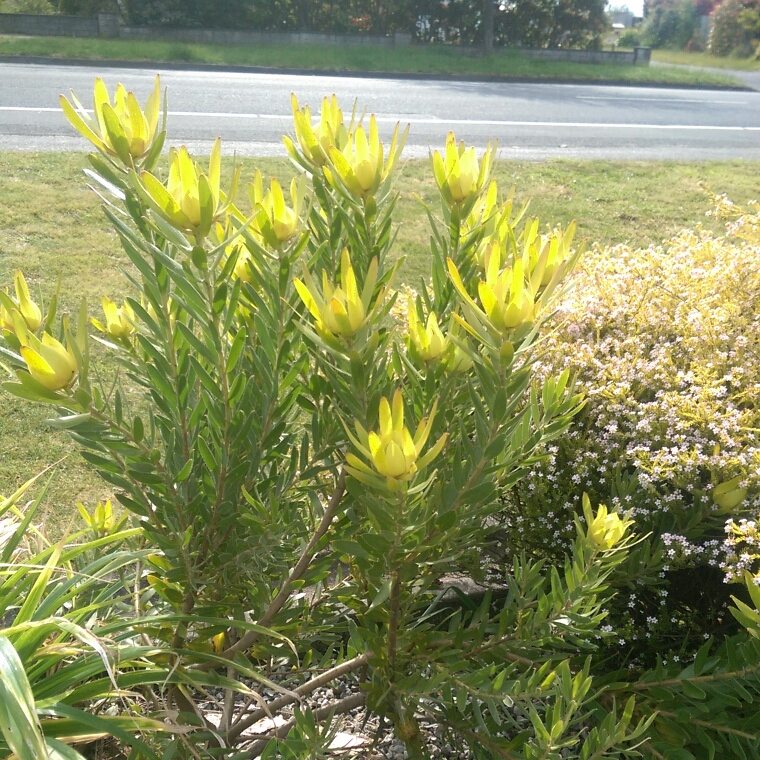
(187, 607)
(312, 685)
(713, 726)
(301, 567)
(394, 621)
(338, 708)
(643, 686)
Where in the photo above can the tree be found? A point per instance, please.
(88, 7)
(488, 25)
(672, 23)
(552, 23)
(729, 30)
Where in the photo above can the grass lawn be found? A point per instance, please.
(705, 59)
(51, 224)
(422, 59)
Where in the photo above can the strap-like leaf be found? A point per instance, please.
(18, 715)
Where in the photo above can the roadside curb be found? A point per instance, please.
(403, 75)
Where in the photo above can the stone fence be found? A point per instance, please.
(108, 25)
(235, 37)
(639, 55)
(49, 26)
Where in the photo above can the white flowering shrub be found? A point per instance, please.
(664, 342)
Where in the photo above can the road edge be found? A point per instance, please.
(402, 75)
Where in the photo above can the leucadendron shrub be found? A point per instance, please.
(309, 474)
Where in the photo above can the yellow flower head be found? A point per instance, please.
(392, 452)
(276, 221)
(493, 218)
(23, 304)
(456, 360)
(606, 529)
(243, 265)
(121, 128)
(330, 133)
(340, 310)
(361, 165)
(119, 321)
(546, 253)
(484, 210)
(6, 320)
(459, 174)
(729, 495)
(506, 297)
(428, 341)
(102, 522)
(191, 200)
(49, 362)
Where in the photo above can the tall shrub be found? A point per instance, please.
(729, 34)
(671, 24)
(310, 461)
(270, 426)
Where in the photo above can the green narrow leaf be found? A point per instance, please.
(29, 607)
(692, 690)
(382, 594)
(18, 714)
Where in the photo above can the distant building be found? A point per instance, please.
(626, 18)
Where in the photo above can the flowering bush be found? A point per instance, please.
(663, 341)
(731, 30)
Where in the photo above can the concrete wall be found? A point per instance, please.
(48, 26)
(639, 56)
(107, 25)
(582, 56)
(232, 37)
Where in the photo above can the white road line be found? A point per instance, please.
(443, 122)
(663, 100)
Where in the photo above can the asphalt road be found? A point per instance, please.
(531, 121)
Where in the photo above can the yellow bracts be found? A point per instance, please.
(506, 296)
(351, 157)
(392, 452)
(276, 221)
(23, 304)
(456, 360)
(339, 311)
(121, 129)
(427, 340)
(316, 144)
(361, 166)
(102, 522)
(49, 362)
(427, 343)
(546, 253)
(459, 174)
(605, 529)
(191, 200)
(119, 321)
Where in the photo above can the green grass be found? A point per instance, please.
(421, 59)
(51, 225)
(705, 59)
